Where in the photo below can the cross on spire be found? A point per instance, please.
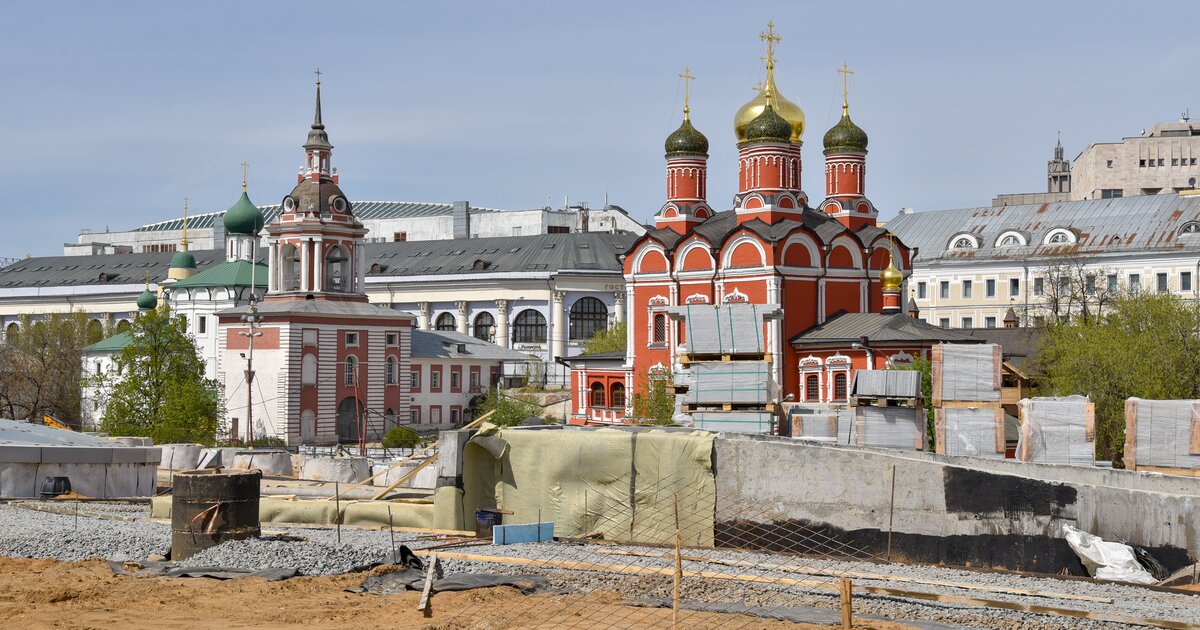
(687, 84)
(183, 241)
(245, 166)
(772, 38)
(318, 73)
(845, 71)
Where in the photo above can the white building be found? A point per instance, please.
(450, 369)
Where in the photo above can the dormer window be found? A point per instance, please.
(964, 241)
(1191, 227)
(1011, 239)
(1060, 236)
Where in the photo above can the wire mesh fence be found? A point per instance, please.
(674, 556)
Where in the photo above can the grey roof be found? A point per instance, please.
(887, 383)
(15, 432)
(57, 271)
(722, 224)
(362, 209)
(1149, 222)
(336, 308)
(878, 328)
(541, 252)
(440, 344)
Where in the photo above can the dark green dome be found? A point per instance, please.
(846, 136)
(147, 301)
(769, 126)
(183, 260)
(244, 218)
(686, 140)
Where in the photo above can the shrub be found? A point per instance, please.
(401, 437)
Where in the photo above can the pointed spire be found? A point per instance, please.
(317, 138)
(245, 168)
(687, 92)
(317, 124)
(183, 242)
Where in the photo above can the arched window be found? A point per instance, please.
(1060, 236)
(389, 419)
(123, 325)
(485, 327)
(308, 370)
(616, 397)
(963, 242)
(1191, 227)
(390, 371)
(12, 331)
(812, 388)
(839, 386)
(95, 331)
(660, 328)
(529, 327)
(289, 268)
(588, 317)
(597, 395)
(351, 369)
(337, 270)
(445, 321)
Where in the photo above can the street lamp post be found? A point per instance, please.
(252, 319)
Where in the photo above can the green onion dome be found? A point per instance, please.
(244, 217)
(846, 136)
(147, 301)
(686, 140)
(769, 127)
(183, 260)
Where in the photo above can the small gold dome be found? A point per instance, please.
(790, 111)
(891, 278)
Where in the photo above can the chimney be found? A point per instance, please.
(461, 215)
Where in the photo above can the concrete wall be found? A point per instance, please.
(957, 510)
(99, 472)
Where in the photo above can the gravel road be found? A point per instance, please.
(110, 534)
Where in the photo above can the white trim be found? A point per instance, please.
(1021, 240)
(727, 251)
(970, 238)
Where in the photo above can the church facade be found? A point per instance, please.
(773, 248)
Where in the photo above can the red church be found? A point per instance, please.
(773, 247)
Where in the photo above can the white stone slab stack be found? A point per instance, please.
(1162, 434)
(1057, 431)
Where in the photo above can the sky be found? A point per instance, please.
(113, 113)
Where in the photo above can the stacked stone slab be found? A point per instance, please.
(887, 409)
(725, 380)
(968, 419)
(1162, 434)
(1057, 431)
(813, 424)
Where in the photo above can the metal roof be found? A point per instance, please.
(887, 384)
(362, 209)
(1148, 222)
(228, 274)
(110, 345)
(104, 269)
(550, 253)
(878, 328)
(440, 344)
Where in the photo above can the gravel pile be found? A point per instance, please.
(311, 558)
(27, 533)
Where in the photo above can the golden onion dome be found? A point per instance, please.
(891, 278)
(790, 111)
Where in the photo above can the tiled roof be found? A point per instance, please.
(879, 328)
(229, 274)
(1149, 222)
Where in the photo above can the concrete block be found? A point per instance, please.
(450, 449)
(76, 455)
(341, 469)
(20, 454)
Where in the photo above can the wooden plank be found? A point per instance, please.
(1194, 442)
(845, 589)
(939, 431)
(997, 370)
(423, 605)
(878, 590)
(969, 404)
(936, 354)
(408, 475)
(387, 470)
(1130, 434)
(1000, 442)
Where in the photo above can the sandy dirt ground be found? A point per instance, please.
(52, 594)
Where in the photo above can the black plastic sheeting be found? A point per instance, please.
(167, 569)
(414, 580)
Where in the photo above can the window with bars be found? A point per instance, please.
(839, 386)
(588, 317)
(529, 327)
(660, 328)
(812, 388)
(446, 322)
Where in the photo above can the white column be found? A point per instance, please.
(502, 336)
(305, 257)
(820, 300)
(319, 281)
(462, 317)
(629, 306)
(558, 328)
(273, 268)
(423, 317)
(774, 343)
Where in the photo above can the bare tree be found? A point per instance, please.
(1074, 287)
(40, 367)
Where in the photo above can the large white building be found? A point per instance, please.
(1042, 260)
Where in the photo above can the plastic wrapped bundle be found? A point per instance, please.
(846, 426)
(1162, 433)
(972, 432)
(1057, 431)
(740, 382)
(966, 372)
(734, 421)
(890, 427)
(814, 425)
(725, 328)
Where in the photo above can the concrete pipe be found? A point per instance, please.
(271, 462)
(180, 456)
(340, 469)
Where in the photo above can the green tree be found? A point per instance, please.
(609, 340)
(40, 367)
(1145, 345)
(925, 367)
(159, 390)
(511, 409)
(654, 399)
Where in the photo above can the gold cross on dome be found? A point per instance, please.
(772, 38)
(687, 85)
(845, 71)
(245, 166)
(318, 73)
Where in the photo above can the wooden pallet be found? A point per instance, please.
(703, 408)
(760, 357)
